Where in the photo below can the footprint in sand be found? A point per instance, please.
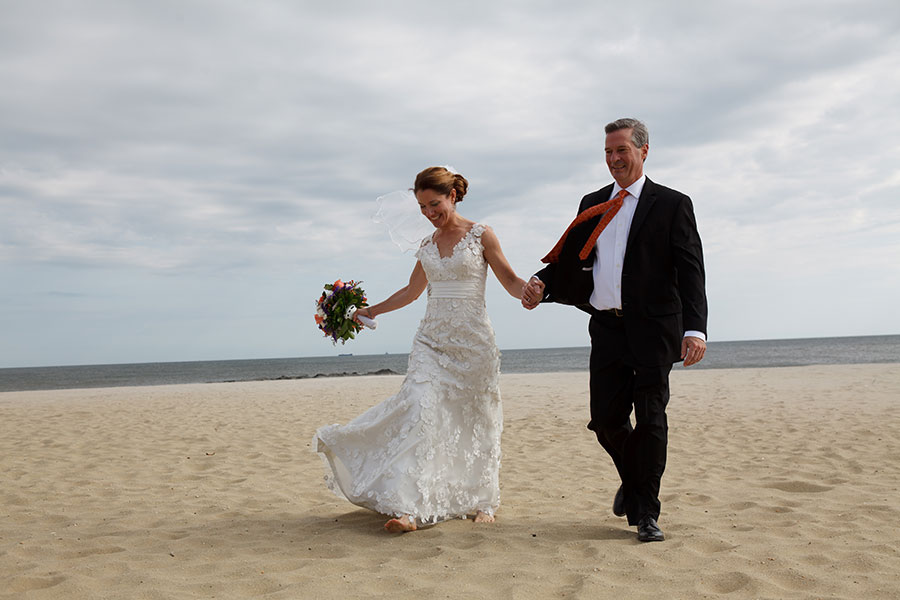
(742, 505)
(715, 546)
(20, 585)
(91, 552)
(798, 487)
(419, 554)
(726, 583)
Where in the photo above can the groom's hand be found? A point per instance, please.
(532, 293)
(692, 350)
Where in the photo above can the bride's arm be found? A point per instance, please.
(400, 298)
(499, 265)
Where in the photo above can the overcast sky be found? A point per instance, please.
(179, 179)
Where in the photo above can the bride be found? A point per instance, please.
(432, 451)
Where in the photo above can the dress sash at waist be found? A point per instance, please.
(467, 288)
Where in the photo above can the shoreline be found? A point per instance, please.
(751, 354)
(390, 372)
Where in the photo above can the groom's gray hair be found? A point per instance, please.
(639, 133)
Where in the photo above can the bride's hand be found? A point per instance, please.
(362, 312)
(532, 293)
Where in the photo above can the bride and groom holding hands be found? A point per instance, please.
(632, 259)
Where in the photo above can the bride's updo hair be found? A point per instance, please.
(442, 181)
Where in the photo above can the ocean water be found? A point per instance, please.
(747, 354)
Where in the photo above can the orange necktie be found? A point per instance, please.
(610, 208)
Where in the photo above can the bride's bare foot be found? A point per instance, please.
(401, 525)
(483, 517)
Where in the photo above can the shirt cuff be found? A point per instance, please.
(698, 334)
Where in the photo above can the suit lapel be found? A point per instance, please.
(645, 203)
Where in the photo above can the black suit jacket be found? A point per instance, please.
(663, 278)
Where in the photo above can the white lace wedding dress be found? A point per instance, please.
(432, 451)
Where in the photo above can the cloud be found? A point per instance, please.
(193, 150)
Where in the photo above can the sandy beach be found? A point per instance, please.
(781, 483)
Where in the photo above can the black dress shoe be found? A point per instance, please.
(619, 503)
(649, 531)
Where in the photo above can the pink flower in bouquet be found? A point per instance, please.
(338, 284)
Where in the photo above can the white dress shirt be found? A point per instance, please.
(610, 253)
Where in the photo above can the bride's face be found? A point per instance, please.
(438, 208)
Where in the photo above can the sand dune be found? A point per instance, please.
(781, 483)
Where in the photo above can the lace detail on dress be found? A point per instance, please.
(433, 450)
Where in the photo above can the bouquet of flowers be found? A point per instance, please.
(335, 309)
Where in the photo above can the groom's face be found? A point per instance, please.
(624, 159)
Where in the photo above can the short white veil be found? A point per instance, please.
(407, 226)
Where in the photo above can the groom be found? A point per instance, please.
(633, 261)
